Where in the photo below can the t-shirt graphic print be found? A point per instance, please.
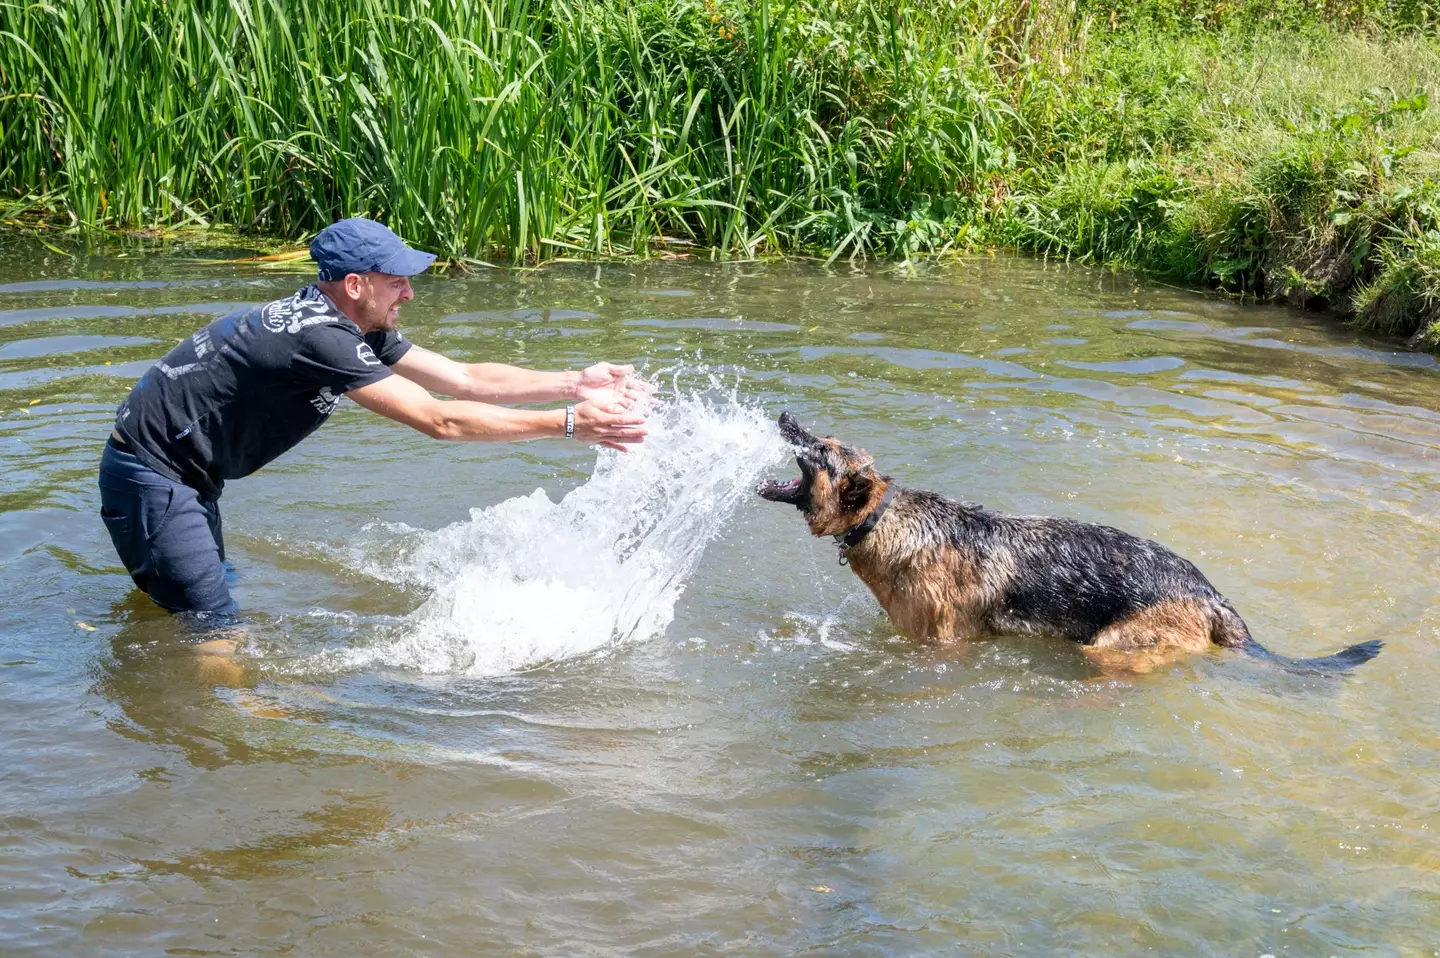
(249, 386)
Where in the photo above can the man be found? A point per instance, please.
(250, 385)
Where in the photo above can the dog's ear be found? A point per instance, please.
(858, 486)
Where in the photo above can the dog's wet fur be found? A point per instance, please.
(947, 571)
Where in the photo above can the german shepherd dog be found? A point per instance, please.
(948, 571)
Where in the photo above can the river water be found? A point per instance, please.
(507, 700)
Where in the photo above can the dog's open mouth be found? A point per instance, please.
(793, 491)
(797, 490)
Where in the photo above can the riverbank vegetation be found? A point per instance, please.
(1286, 149)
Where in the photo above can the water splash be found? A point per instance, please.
(799, 628)
(530, 580)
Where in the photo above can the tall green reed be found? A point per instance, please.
(532, 127)
(529, 129)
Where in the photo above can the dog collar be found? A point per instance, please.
(854, 537)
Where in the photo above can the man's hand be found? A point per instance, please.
(606, 382)
(609, 423)
(613, 422)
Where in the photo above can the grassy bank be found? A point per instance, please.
(1282, 149)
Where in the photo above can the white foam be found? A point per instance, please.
(802, 629)
(530, 580)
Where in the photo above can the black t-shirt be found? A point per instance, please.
(249, 386)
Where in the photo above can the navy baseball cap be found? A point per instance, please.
(364, 246)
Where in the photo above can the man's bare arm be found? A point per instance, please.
(506, 385)
(485, 382)
(397, 398)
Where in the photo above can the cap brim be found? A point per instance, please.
(407, 262)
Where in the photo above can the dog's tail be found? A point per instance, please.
(1335, 664)
(1229, 630)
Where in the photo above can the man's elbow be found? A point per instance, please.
(471, 385)
(440, 425)
(446, 429)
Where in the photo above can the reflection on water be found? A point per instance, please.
(761, 766)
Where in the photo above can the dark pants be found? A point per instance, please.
(167, 535)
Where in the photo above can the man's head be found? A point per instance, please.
(365, 269)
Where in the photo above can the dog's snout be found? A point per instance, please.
(792, 431)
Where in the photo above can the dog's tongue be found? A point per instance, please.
(774, 488)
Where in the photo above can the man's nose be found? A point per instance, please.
(407, 293)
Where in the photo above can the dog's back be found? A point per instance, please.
(1075, 579)
(1038, 574)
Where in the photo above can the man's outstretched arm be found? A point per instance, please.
(604, 423)
(499, 383)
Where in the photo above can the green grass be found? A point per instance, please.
(1285, 149)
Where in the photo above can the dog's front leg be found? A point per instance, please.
(951, 627)
(932, 614)
(926, 600)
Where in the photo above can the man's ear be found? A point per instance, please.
(354, 285)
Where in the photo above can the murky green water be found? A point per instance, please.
(775, 772)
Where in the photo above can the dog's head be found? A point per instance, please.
(838, 485)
